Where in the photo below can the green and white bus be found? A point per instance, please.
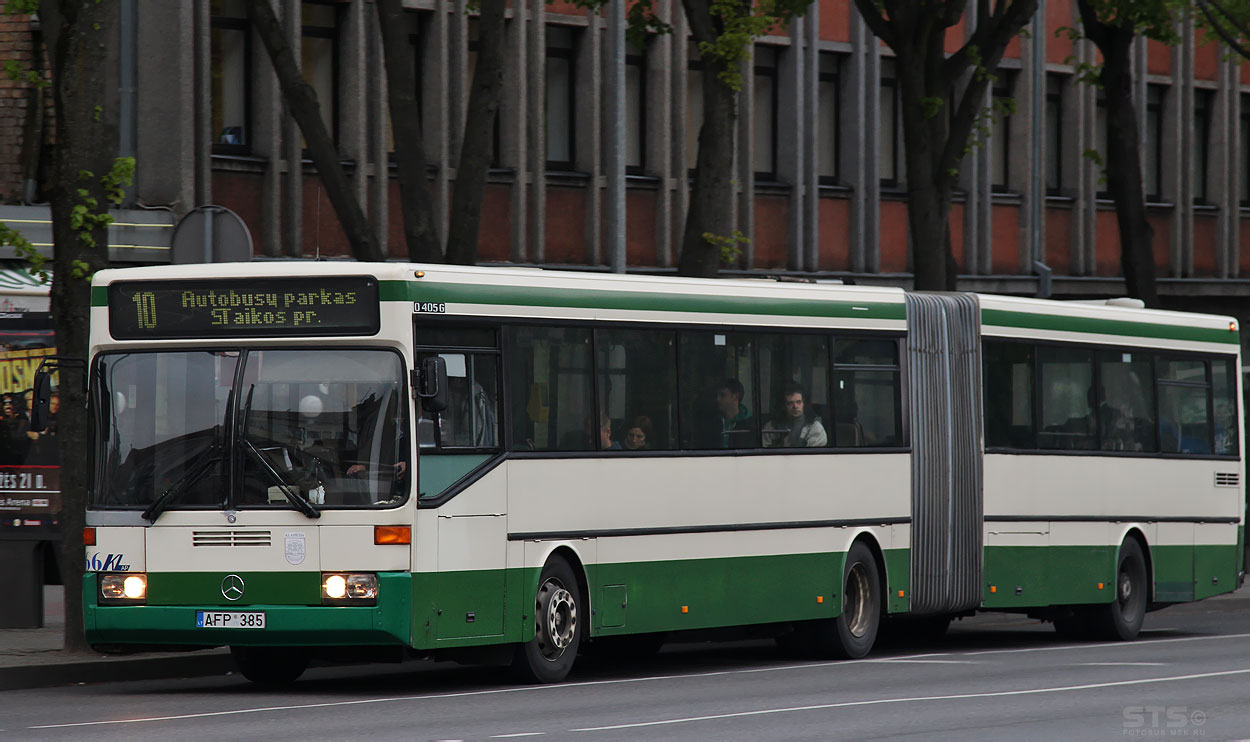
(387, 460)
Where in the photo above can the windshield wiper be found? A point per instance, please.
(202, 466)
(299, 501)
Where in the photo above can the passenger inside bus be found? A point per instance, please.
(732, 426)
(795, 427)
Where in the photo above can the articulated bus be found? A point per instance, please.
(340, 459)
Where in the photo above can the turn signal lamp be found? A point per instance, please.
(392, 534)
(88, 536)
(349, 589)
(123, 588)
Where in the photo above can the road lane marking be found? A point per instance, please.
(889, 661)
(589, 683)
(518, 734)
(1122, 664)
(1146, 643)
(912, 699)
(462, 694)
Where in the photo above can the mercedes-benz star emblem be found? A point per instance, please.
(232, 587)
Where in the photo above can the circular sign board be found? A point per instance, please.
(211, 234)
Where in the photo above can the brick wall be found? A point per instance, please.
(15, 45)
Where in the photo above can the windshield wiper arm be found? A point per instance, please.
(194, 473)
(299, 501)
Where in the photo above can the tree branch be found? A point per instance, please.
(877, 23)
(1221, 30)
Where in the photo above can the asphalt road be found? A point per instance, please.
(992, 677)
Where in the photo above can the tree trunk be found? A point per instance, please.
(941, 97)
(82, 43)
(301, 99)
(1123, 167)
(401, 83)
(928, 185)
(711, 195)
(477, 146)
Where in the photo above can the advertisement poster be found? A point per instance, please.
(30, 497)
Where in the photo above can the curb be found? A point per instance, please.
(114, 669)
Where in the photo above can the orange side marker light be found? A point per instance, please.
(1100, 586)
(820, 598)
(993, 588)
(685, 609)
(392, 534)
(900, 593)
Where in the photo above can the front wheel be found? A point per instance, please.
(549, 656)
(1122, 618)
(270, 666)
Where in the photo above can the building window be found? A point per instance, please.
(888, 124)
(635, 109)
(1000, 135)
(1245, 150)
(1153, 167)
(1054, 132)
(319, 58)
(694, 103)
(1202, 141)
(560, 89)
(1100, 143)
(231, 75)
(827, 123)
(474, 45)
(764, 113)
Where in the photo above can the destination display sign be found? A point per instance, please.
(253, 307)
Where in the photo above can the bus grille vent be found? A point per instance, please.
(230, 538)
(1227, 479)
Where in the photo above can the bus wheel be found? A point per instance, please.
(270, 666)
(548, 657)
(1122, 618)
(856, 627)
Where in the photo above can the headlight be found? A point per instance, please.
(125, 588)
(349, 588)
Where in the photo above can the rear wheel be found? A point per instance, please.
(549, 656)
(270, 666)
(1122, 618)
(855, 629)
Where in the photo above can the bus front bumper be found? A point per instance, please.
(387, 623)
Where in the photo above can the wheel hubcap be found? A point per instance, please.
(557, 619)
(855, 606)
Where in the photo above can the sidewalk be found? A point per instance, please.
(32, 658)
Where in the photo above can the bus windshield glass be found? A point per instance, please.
(247, 429)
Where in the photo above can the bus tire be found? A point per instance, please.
(855, 628)
(1121, 620)
(271, 667)
(558, 628)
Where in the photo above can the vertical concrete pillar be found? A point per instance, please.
(862, 119)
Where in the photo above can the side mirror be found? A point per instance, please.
(432, 384)
(40, 406)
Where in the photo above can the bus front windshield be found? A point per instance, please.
(247, 429)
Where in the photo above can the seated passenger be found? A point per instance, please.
(794, 428)
(637, 433)
(733, 426)
(605, 435)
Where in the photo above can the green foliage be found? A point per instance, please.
(21, 7)
(932, 106)
(86, 216)
(26, 251)
(729, 247)
(1154, 19)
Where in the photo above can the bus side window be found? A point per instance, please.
(1008, 397)
(550, 389)
(866, 393)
